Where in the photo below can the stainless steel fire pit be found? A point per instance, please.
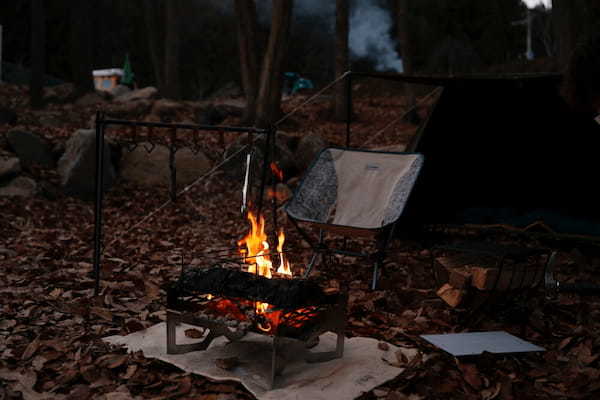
(224, 301)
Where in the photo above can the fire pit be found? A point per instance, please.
(232, 298)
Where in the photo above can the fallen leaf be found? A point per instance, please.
(102, 313)
(7, 323)
(383, 346)
(193, 333)
(471, 375)
(31, 349)
(227, 363)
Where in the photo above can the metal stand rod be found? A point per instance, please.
(98, 200)
(348, 107)
(172, 165)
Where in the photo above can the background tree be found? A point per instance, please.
(172, 44)
(37, 53)
(152, 11)
(81, 45)
(245, 11)
(268, 105)
(342, 23)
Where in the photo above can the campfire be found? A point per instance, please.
(255, 251)
(259, 294)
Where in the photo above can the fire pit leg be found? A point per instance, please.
(215, 330)
(324, 356)
(276, 365)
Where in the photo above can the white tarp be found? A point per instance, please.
(360, 370)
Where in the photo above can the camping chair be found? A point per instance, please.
(354, 193)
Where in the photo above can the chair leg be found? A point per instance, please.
(377, 267)
(311, 264)
(316, 253)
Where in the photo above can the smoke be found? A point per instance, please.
(370, 38)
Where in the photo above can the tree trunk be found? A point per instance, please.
(245, 11)
(564, 29)
(406, 49)
(271, 80)
(172, 43)
(38, 53)
(81, 46)
(341, 58)
(151, 11)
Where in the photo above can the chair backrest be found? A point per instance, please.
(356, 188)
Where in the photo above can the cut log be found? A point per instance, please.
(453, 297)
(509, 278)
(460, 278)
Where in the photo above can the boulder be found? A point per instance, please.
(20, 186)
(149, 169)
(282, 193)
(235, 167)
(7, 116)
(308, 148)
(59, 93)
(90, 99)
(216, 114)
(130, 110)
(9, 167)
(230, 89)
(49, 118)
(77, 166)
(166, 109)
(119, 90)
(146, 93)
(30, 148)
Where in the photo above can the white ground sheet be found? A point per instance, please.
(360, 370)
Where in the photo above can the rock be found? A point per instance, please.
(9, 167)
(308, 148)
(119, 90)
(235, 168)
(230, 89)
(49, 118)
(282, 193)
(7, 116)
(149, 169)
(131, 110)
(59, 93)
(20, 186)
(216, 114)
(77, 166)
(90, 99)
(146, 93)
(30, 148)
(166, 109)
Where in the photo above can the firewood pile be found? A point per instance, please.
(464, 278)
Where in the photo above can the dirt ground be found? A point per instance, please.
(51, 325)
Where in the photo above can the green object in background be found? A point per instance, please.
(128, 75)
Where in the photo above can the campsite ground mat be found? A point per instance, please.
(362, 368)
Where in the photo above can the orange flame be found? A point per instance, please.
(277, 172)
(255, 249)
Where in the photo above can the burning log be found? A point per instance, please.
(280, 293)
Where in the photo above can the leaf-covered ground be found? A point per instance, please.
(51, 325)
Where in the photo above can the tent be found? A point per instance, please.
(506, 149)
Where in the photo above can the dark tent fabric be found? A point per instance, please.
(506, 150)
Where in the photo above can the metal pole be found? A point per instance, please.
(172, 166)
(348, 107)
(263, 179)
(98, 201)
